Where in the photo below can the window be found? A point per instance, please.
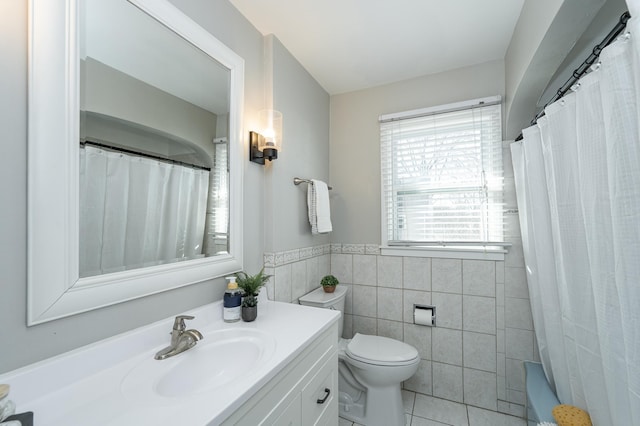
(442, 178)
(218, 205)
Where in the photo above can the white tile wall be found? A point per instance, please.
(390, 271)
(353, 248)
(520, 344)
(447, 381)
(420, 338)
(390, 304)
(298, 279)
(282, 283)
(313, 275)
(446, 275)
(480, 389)
(421, 382)
(479, 351)
(516, 279)
(479, 314)
(364, 269)
(447, 345)
(484, 327)
(416, 273)
(365, 301)
(364, 325)
(479, 278)
(296, 272)
(342, 267)
(518, 313)
(448, 309)
(391, 329)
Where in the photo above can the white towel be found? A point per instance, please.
(319, 208)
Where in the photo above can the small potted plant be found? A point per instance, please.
(250, 286)
(329, 283)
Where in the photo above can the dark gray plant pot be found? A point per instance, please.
(249, 313)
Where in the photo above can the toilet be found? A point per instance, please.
(371, 368)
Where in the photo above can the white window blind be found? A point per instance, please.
(442, 177)
(219, 194)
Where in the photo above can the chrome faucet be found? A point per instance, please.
(181, 339)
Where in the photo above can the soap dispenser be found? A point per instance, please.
(231, 301)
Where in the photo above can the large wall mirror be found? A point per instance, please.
(135, 116)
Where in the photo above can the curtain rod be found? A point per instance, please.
(584, 67)
(142, 154)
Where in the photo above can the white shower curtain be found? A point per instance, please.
(137, 212)
(578, 184)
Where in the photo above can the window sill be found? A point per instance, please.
(451, 252)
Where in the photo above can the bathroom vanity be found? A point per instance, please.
(304, 393)
(279, 369)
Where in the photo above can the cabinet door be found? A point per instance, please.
(291, 416)
(320, 395)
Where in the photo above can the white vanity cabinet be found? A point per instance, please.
(293, 396)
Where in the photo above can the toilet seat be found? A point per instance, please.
(378, 350)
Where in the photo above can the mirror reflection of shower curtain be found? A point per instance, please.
(578, 179)
(137, 212)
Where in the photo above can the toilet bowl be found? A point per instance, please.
(371, 369)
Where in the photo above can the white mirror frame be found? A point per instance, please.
(54, 287)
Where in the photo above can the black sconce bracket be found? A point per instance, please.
(257, 156)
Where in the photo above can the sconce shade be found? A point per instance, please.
(266, 143)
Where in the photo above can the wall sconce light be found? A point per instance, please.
(264, 145)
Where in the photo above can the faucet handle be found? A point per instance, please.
(178, 323)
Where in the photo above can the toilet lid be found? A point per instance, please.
(380, 350)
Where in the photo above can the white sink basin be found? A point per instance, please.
(221, 357)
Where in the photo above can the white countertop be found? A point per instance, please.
(85, 386)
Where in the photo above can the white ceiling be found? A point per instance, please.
(349, 45)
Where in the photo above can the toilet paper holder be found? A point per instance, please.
(424, 315)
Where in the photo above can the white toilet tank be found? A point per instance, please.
(319, 299)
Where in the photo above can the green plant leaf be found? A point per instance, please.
(251, 284)
(329, 281)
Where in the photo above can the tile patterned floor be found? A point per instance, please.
(423, 410)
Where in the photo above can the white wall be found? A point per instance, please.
(535, 19)
(605, 20)
(544, 34)
(113, 93)
(355, 142)
(305, 109)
